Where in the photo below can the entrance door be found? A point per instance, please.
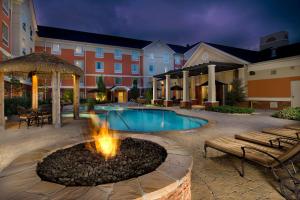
(120, 97)
(295, 93)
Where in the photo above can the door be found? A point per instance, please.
(120, 97)
(295, 93)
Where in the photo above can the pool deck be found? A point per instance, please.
(212, 178)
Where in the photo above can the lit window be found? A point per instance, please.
(135, 55)
(55, 49)
(5, 6)
(118, 81)
(134, 69)
(118, 54)
(177, 60)
(5, 34)
(151, 69)
(118, 68)
(99, 67)
(151, 56)
(79, 63)
(166, 58)
(78, 51)
(99, 53)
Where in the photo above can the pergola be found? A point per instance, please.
(42, 64)
(209, 68)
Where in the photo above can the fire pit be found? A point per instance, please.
(81, 166)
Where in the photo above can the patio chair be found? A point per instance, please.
(268, 139)
(45, 113)
(268, 157)
(25, 115)
(285, 132)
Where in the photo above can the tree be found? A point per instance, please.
(101, 95)
(237, 93)
(134, 92)
(148, 95)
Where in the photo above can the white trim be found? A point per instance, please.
(120, 87)
(202, 44)
(158, 41)
(276, 63)
(6, 53)
(118, 75)
(268, 99)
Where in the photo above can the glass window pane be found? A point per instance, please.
(99, 52)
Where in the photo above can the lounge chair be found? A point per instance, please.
(267, 139)
(268, 157)
(25, 115)
(45, 113)
(294, 127)
(285, 132)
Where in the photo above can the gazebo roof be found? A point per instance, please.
(39, 62)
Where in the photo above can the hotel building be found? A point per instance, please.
(204, 71)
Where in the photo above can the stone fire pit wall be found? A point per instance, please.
(171, 180)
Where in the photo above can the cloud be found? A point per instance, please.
(236, 23)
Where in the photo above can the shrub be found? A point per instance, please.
(230, 109)
(68, 96)
(101, 95)
(134, 93)
(10, 105)
(288, 113)
(237, 93)
(148, 95)
(91, 103)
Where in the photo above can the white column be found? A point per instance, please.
(243, 77)
(211, 83)
(2, 116)
(56, 118)
(35, 92)
(154, 83)
(193, 88)
(167, 91)
(76, 96)
(186, 88)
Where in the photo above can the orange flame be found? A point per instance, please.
(106, 142)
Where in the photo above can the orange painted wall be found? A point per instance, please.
(108, 60)
(278, 87)
(6, 19)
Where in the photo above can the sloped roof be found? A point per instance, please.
(80, 36)
(39, 62)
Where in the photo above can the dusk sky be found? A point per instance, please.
(235, 23)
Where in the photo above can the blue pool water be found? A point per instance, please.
(147, 120)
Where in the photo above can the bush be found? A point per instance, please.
(10, 105)
(237, 94)
(148, 95)
(288, 113)
(91, 103)
(230, 109)
(68, 96)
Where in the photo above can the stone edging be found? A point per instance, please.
(170, 180)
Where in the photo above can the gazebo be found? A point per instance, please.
(38, 65)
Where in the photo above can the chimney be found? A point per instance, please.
(274, 40)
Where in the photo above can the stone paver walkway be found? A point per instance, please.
(212, 178)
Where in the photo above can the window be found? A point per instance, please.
(273, 72)
(24, 26)
(23, 51)
(177, 60)
(118, 81)
(55, 49)
(252, 73)
(151, 69)
(5, 7)
(151, 56)
(118, 54)
(134, 69)
(135, 82)
(79, 63)
(81, 81)
(78, 51)
(99, 53)
(166, 58)
(99, 67)
(273, 53)
(31, 50)
(30, 33)
(118, 68)
(135, 55)
(5, 34)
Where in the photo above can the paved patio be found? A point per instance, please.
(212, 178)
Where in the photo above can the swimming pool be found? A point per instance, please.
(150, 120)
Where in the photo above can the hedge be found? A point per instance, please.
(288, 113)
(230, 109)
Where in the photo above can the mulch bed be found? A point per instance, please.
(78, 166)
